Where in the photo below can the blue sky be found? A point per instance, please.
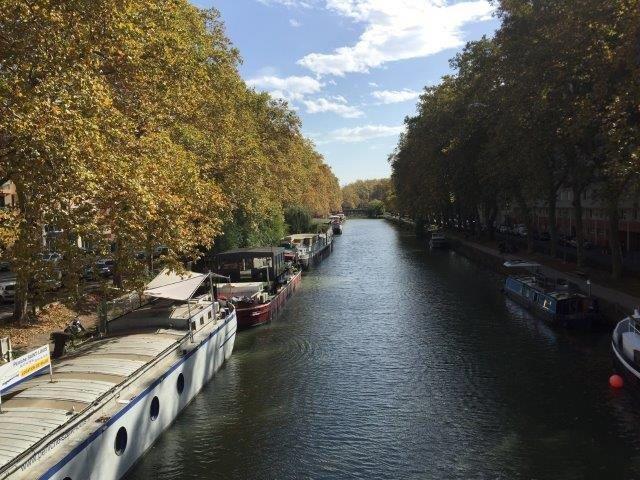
(352, 69)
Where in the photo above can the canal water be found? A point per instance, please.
(396, 362)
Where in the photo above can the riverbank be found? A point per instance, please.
(615, 303)
(423, 355)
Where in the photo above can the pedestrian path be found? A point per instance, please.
(624, 300)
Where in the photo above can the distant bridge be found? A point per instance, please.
(356, 212)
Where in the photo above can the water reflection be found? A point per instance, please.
(396, 362)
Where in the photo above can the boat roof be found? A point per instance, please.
(300, 236)
(521, 264)
(240, 284)
(253, 251)
(532, 282)
(175, 286)
(37, 407)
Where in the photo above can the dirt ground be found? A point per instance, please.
(52, 318)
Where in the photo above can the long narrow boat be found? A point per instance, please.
(269, 282)
(312, 246)
(112, 398)
(336, 224)
(557, 304)
(259, 306)
(625, 343)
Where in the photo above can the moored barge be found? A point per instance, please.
(336, 224)
(110, 400)
(438, 240)
(261, 282)
(554, 302)
(312, 247)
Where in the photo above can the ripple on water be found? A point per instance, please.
(393, 361)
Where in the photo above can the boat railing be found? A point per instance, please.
(116, 308)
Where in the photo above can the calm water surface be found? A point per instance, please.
(395, 362)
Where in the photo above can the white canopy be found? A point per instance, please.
(243, 289)
(174, 286)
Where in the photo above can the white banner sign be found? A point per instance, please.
(24, 367)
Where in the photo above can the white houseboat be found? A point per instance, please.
(625, 343)
(110, 399)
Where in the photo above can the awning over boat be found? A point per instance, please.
(175, 286)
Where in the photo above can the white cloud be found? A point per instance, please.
(373, 84)
(395, 96)
(288, 88)
(362, 133)
(396, 30)
(337, 105)
(288, 3)
(294, 23)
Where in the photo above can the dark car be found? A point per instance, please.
(105, 267)
(543, 237)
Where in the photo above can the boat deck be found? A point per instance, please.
(38, 407)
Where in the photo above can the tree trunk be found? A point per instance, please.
(614, 239)
(577, 210)
(24, 247)
(552, 198)
(528, 220)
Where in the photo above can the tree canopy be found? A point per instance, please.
(361, 193)
(125, 123)
(552, 101)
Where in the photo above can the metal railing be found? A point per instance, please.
(109, 311)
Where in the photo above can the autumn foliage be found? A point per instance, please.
(125, 123)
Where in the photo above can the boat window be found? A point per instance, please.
(180, 383)
(209, 315)
(202, 320)
(514, 286)
(120, 444)
(154, 409)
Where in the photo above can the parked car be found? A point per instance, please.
(564, 240)
(4, 266)
(105, 267)
(161, 250)
(585, 243)
(544, 237)
(51, 257)
(7, 291)
(521, 230)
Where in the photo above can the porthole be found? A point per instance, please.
(154, 409)
(180, 384)
(121, 441)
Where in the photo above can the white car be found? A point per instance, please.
(7, 291)
(53, 257)
(521, 230)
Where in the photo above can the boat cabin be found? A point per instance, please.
(554, 300)
(257, 264)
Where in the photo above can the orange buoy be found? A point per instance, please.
(616, 381)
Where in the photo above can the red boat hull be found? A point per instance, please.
(252, 316)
